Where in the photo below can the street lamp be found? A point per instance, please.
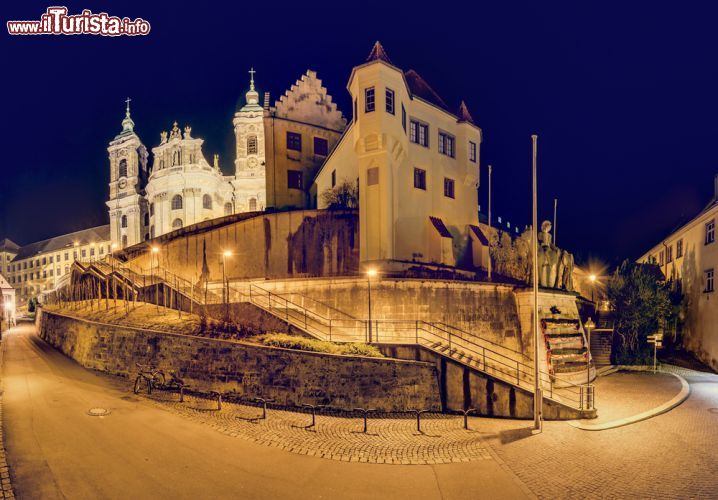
(592, 278)
(589, 325)
(225, 283)
(370, 273)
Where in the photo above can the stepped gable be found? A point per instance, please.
(307, 101)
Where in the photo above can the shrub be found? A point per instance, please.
(304, 344)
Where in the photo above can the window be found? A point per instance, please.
(390, 101)
(661, 257)
(252, 145)
(152, 209)
(83, 252)
(709, 279)
(228, 208)
(448, 187)
(403, 117)
(679, 249)
(177, 223)
(123, 168)
(472, 151)
(446, 144)
(207, 201)
(92, 251)
(372, 176)
(294, 141)
(419, 133)
(67, 255)
(321, 146)
(176, 202)
(102, 250)
(51, 259)
(334, 178)
(710, 231)
(294, 179)
(669, 254)
(123, 221)
(252, 204)
(420, 179)
(369, 100)
(124, 241)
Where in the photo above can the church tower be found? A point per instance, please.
(250, 183)
(129, 219)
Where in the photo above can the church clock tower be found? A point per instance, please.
(128, 177)
(250, 183)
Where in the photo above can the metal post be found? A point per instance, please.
(538, 400)
(369, 290)
(490, 265)
(588, 357)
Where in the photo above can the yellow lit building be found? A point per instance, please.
(417, 168)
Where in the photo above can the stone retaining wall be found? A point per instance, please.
(234, 368)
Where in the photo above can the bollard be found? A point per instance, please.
(365, 412)
(181, 394)
(264, 406)
(314, 410)
(466, 416)
(219, 399)
(418, 418)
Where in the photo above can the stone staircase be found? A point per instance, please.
(601, 346)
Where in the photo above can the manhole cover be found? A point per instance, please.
(98, 412)
(713, 410)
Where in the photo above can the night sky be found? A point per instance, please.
(624, 99)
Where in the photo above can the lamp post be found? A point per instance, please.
(113, 248)
(538, 397)
(369, 275)
(592, 278)
(225, 283)
(155, 251)
(589, 325)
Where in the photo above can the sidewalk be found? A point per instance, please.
(5, 482)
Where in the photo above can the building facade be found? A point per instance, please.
(689, 257)
(416, 165)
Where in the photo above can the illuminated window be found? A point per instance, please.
(294, 141)
(252, 145)
(369, 103)
(390, 101)
(449, 189)
(207, 201)
(420, 178)
(176, 202)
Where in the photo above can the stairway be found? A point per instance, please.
(601, 341)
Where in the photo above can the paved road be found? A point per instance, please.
(56, 450)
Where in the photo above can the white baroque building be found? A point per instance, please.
(182, 188)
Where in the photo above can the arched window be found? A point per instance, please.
(177, 223)
(147, 219)
(176, 202)
(207, 201)
(252, 145)
(123, 168)
(123, 220)
(252, 204)
(124, 240)
(227, 208)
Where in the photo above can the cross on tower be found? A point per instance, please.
(128, 106)
(251, 78)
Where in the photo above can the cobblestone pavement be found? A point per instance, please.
(393, 440)
(668, 456)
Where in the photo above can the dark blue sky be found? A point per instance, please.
(624, 98)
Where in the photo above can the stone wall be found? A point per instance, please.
(234, 368)
(488, 311)
(273, 245)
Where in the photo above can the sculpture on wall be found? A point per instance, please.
(555, 266)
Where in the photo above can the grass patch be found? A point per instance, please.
(304, 344)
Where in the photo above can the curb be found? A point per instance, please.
(665, 407)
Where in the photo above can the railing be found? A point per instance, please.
(439, 337)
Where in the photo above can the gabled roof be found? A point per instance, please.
(378, 54)
(7, 245)
(99, 233)
(418, 87)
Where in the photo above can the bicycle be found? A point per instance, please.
(155, 378)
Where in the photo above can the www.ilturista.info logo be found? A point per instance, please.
(55, 21)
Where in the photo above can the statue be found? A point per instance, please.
(175, 133)
(216, 161)
(163, 137)
(555, 266)
(187, 132)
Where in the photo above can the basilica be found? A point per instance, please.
(179, 187)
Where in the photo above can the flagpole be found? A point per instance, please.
(538, 397)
